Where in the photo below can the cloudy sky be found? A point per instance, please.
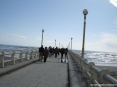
(21, 22)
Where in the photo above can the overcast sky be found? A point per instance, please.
(21, 22)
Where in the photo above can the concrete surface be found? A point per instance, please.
(11, 68)
(39, 74)
(75, 76)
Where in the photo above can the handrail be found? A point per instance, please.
(97, 83)
(96, 74)
(14, 56)
(110, 78)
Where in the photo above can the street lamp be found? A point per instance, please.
(85, 12)
(71, 42)
(68, 45)
(42, 37)
(59, 44)
(55, 43)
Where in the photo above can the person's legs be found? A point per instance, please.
(55, 55)
(61, 58)
(45, 58)
(41, 57)
(66, 57)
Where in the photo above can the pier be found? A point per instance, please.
(24, 69)
(58, 43)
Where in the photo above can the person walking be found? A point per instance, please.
(46, 53)
(66, 56)
(56, 51)
(62, 53)
(41, 53)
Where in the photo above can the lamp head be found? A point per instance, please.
(85, 11)
(42, 30)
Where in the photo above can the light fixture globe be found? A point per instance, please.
(85, 11)
(42, 30)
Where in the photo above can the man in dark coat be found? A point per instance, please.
(66, 56)
(46, 52)
(62, 53)
(41, 53)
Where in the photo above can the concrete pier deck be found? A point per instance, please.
(53, 73)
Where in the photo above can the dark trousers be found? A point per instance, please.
(45, 58)
(61, 57)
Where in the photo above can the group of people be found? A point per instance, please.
(51, 51)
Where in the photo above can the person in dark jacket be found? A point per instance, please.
(66, 56)
(41, 53)
(46, 52)
(66, 51)
(62, 53)
(56, 52)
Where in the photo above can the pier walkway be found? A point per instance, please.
(53, 73)
(76, 72)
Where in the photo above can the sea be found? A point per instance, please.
(16, 48)
(98, 57)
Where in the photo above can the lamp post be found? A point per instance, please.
(68, 45)
(85, 12)
(71, 42)
(42, 37)
(55, 43)
(59, 44)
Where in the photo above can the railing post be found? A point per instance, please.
(20, 56)
(26, 55)
(3, 54)
(13, 56)
(35, 54)
(31, 54)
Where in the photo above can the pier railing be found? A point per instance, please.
(94, 76)
(13, 57)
